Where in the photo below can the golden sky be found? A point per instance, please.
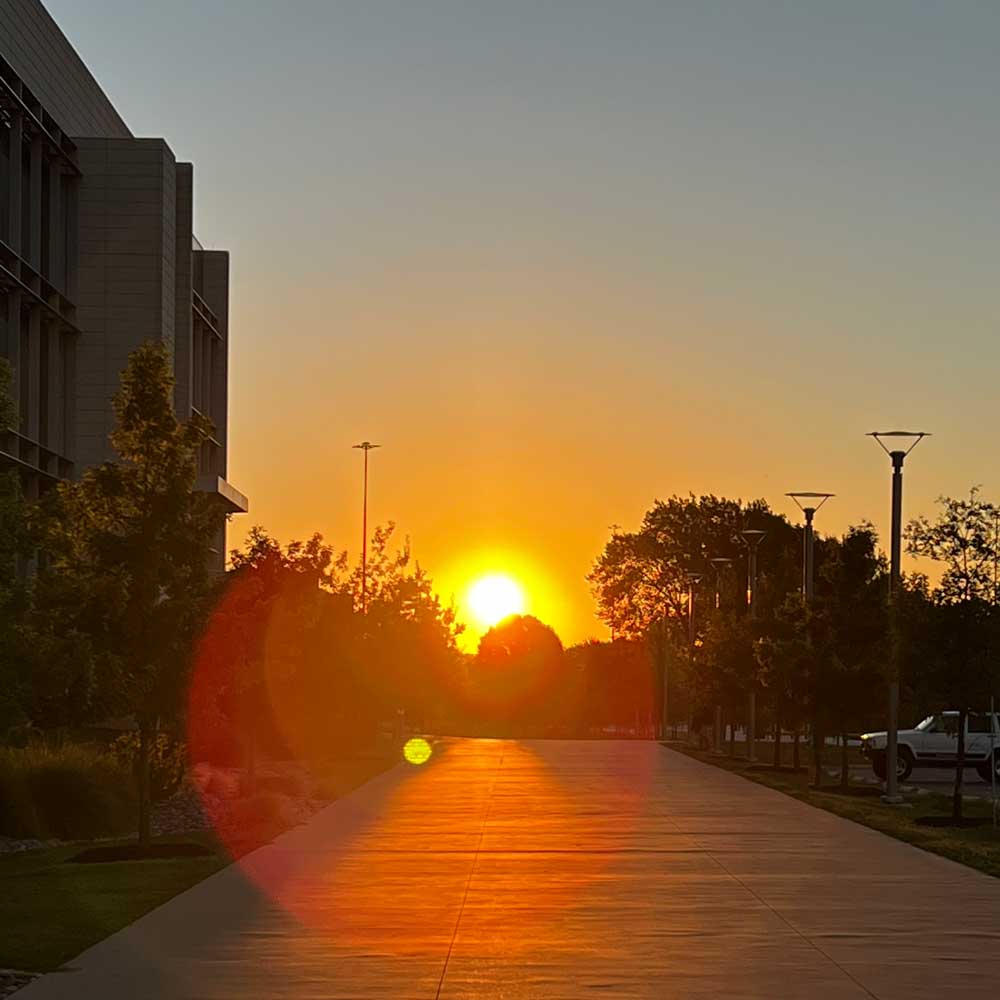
(562, 259)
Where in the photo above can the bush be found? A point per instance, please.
(289, 783)
(166, 762)
(259, 812)
(65, 792)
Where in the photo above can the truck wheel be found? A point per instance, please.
(986, 772)
(904, 763)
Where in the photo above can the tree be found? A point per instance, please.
(640, 580)
(127, 580)
(289, 663)
(408, 657)
(851, 596)
(258, 636)
(961, 620)
(966, 539)
(15, 544)
(520, 678)
(616, 683)
(728, 666)
(784, 654)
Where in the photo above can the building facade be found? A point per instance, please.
(97, 255)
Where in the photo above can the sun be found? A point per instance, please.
(495, 597)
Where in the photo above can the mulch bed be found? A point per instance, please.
(965, 823)
(135, 852)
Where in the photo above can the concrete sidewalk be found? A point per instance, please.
(562, 870)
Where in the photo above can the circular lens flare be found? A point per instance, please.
(417, 750)
(495, 597)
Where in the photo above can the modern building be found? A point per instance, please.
(97, 255)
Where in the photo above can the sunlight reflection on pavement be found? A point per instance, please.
(553, 869)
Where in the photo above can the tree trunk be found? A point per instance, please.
(777, 743)
(732, 738)
(845, 773)
(817, 748)
(956, 798)
(795, 749)
(251, 760)
(142, 783)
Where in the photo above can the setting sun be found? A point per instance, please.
(495, 597)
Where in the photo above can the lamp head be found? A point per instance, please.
(809, 502)
(898, 442)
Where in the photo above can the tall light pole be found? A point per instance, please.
(809, 503)
(752, 537)
(693, 579)
(901, 443)
(719, 564)
(365, 446)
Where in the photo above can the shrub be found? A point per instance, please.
(166, 762)
(261, 810)
(288, 783)
(64, 792)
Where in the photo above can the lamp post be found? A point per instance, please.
(901, 443)
(365, 446)
(693, 579)
(719, 564)
(752, 538)
(809, 503)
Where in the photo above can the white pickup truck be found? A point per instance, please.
(934, 743)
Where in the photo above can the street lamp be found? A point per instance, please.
(693, 579)
(365, 446)
(719, 564)
(752, 538)
(900, 444)
(809, 503)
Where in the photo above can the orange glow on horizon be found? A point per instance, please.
(491, 583)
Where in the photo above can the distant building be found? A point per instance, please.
(97, 255)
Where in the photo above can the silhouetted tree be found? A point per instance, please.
(784, 654)
(961, 616)
(616, 684)
(852, 595)
(640, 580)
(125, 588)
(520, 678)
(289, 662)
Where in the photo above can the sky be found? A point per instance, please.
(563, 258)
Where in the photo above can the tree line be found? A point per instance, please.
(109, 614)
(108, 609)
(816, 665)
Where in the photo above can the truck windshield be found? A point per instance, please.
(927, 723)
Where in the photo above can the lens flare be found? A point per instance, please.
(417, 750)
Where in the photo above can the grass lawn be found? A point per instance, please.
(765, 752)
(50, 911)
(978, 847)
